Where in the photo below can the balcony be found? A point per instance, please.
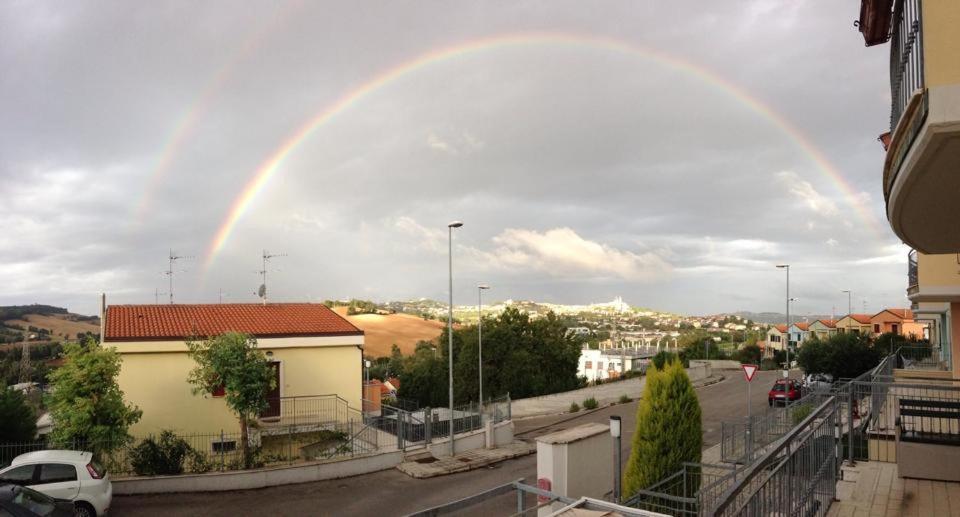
(933, 278)
(913, 274)
(919, 177)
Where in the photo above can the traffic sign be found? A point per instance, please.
(749, 370)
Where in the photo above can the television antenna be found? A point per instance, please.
(221, 294)
(156, 295)
(170, 271)
(262, 290)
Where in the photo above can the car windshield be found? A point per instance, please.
(779, 387)
(33, 501)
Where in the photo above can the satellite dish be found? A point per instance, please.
(262, 291)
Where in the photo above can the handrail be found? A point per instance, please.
(729, 496)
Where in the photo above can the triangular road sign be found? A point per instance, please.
(749, 370)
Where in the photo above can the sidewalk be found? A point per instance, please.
(605, 394)
(431, 467)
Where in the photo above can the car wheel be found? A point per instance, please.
(83, 509)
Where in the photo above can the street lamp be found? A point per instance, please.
(480, 289)
(786, 371)
(450, 227)
(849, 306)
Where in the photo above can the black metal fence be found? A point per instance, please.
(906, 57)
(421, 426)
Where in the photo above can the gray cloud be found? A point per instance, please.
(580, 173)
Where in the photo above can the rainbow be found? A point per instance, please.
(185, 126)
(269, 168)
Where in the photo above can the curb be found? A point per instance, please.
(417, 473)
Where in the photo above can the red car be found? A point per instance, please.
(783, 391)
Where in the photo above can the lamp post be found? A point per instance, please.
(849, 306)
(617, 456)
(450, 227)
(786, 371)
(480, 289)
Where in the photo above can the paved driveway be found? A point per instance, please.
(391, 492)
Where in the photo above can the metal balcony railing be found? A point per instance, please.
(913, 274)
(906, 57)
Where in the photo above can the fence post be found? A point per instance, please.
(221, 450)
(427, 425)
(290, 444)
(850, 459)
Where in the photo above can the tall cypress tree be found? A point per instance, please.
(668, 429)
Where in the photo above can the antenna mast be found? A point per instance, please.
(170, 271)
(262, 292)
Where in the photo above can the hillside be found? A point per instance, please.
(49, 323)
(382, 331)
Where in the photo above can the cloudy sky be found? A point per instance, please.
(668, 152)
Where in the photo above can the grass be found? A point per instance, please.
(624, 399)
(574, 407)
(590, 403)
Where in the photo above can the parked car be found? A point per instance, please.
(68, 475)
(784, 391)
(818, 382)
(20, 501)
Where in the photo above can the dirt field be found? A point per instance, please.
(58, 326)
(383, 331)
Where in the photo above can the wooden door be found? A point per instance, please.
(273, 395)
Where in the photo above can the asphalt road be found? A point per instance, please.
(391, 492)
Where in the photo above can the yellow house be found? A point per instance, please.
(823, 329)
(856, 324)
(316, 356)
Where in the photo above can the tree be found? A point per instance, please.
(232, 361)
(86, 403)
(18, 422)
(749, 354)
(843, 356)
(813, 356)
(668, 429)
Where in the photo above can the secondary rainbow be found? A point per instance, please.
(203, 101)
(269, 168)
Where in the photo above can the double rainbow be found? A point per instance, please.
(269, 168)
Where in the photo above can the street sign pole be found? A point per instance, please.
(749, 370)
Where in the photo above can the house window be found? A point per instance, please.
(600, 365)
(876, 328)
(224, 446)
(219, 391)
(589, 365)
(895, 328)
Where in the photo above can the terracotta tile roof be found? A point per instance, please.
(828, 323)
(157, 322)
(802, 325)
(859, 318)
(781, 328)
(903, 314)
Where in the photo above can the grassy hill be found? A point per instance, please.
(382, 331)
(47, 322)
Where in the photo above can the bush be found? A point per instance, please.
(662, 359)
(800, 412)
(574, 407)
(590, 403)
(668, 432)
(164, 456)
(625, 399)
(17, 419)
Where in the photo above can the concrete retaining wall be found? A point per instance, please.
(717, 364)
(260, 478)
(502, 435)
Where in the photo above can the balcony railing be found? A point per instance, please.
(913, 272)
(906, 57)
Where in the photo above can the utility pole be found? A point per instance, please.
(25, 357)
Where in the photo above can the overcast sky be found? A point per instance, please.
(675, 175)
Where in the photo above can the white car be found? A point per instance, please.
(68, 475)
